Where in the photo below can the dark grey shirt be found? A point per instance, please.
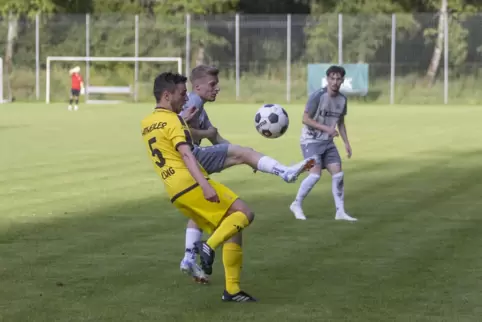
(324, 109)
(201, 120)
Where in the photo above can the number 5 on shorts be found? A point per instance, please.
(156, 153)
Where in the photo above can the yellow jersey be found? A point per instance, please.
(163, 131)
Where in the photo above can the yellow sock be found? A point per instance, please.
(232, 261)
(229, 227)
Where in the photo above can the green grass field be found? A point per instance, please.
(87, 233)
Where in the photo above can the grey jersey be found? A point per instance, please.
(324, 109)
(201, 120)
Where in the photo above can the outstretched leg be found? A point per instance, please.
(215, 159)
(258, 161)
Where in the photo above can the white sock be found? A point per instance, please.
(306, 186)
(192, 235)
(270, 165)
(338, 189)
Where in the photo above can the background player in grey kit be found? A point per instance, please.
(325, 110)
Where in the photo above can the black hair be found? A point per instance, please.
(167, 82)
(335, 70)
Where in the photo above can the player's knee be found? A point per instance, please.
(250, 216)
(316, 170)
(334, 168)
(239, 153)
(247, 212)
(192, 224)
(241, 206)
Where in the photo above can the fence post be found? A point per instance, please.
(340, 39)
(136, 54)
(87, 54)
(237, 56)
(392, 60)
(446, 58)
(288, 58)
(47, 82)
(37, 56)
(188, 45)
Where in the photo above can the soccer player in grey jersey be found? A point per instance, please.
(222, 154)
(326, 109)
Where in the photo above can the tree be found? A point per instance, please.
(15, 10)
(366, 28)
(456, 12)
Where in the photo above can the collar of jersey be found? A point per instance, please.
(162, 109)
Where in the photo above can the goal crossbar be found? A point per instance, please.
(105, 59)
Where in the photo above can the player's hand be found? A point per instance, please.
(190, 113)
(332, 132)
(210, 194)
(348, 150)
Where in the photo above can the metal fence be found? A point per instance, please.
(262, 57)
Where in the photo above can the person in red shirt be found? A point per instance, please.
(77, 87)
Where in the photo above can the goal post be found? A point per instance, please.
(51, 59)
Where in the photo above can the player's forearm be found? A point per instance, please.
(193, 167)
(219, 140)
(312, 123)
(199, 134)
(343, 133)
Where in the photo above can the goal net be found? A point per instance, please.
(106, 78)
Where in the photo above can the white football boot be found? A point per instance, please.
(294, 171)
(296, 209)
(342, 215)
(191, 268)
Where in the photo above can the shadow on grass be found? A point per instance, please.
(413, 216)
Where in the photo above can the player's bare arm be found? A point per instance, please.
(193, 167)
(344, 135)
(307, 120)
(218, 140)
(209, 133)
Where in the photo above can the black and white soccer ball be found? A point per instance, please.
(271, 121)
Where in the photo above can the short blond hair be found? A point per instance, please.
(203, 71)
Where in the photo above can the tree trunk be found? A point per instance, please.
(437, 51)
(11, 37)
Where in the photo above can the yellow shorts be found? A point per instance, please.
(207, 215)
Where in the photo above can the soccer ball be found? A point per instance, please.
(271, 121)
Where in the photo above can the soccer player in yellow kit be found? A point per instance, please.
(215, 208)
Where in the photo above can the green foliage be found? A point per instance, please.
(457, 33)
(26, 7)
(162, 31)
(366, 28)
(202, 7)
